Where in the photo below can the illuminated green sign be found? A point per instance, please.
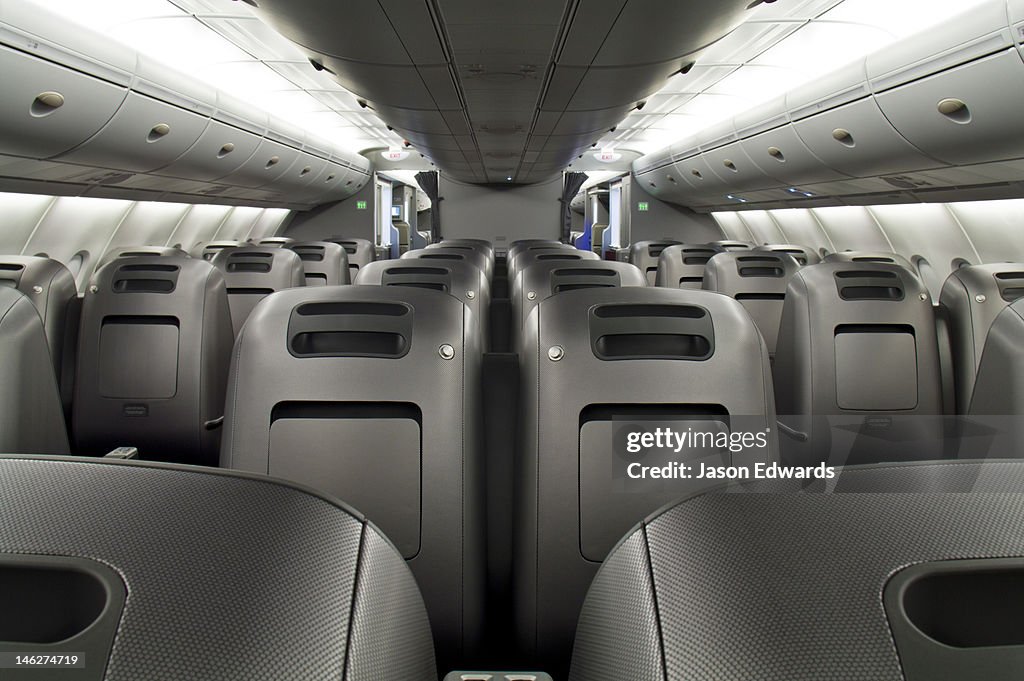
(360, 205)
(642, 206)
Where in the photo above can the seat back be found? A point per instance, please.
(999, 388)
(243, 577)
(50, 286)
(324, 263)
(973, 297)
(140, 252)
(525, 244)
(597, 238)
(913, 564)
(563, 254)
(870, 257)
(31, 414)
(857, 366)
(253, 273)
(541, 280)
(804, 255)
(207, 250)
(275, 242)
(471, 256)
(758, 280)
(457, 278)
(733, 245)
(600, 367)
(682, 265)
(645, 254)
(371, 394)
(482, 244)
(359, 251)
(153, 355)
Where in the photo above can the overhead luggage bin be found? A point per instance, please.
(121, 561)
(48, 109)
(31, 415)
(371, 394)
(597, 365)
(220, 151)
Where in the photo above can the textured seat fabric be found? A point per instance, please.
(324, 263)
(645, 255)
(973, 297)
(682, 265)
(758, 281)
(788, 584)
(595, 363)
(153, 356)
(51, 288)
(360, 252)
(31, 415)
(998, 395)
(804, 255)
(372, 394)
(857, 377)
(253, 273)
(228, 577)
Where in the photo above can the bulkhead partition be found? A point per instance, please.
(758, 281)
(153, 356)
(603, 371)
(324, 263)
(371, 394)
(857, 366)
(253, 273)
(682, 265)
(645, 254)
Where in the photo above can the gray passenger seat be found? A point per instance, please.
(140, 252)
(804, 255)
(597, 364)
(563, 254)
(456, 278)
(209, 249)
(50, 286)
(253, 273)
(857, 375)
(888, 573)
(31, 414)
(733, 245)
(472, 256)
(323, 263)
(541, 280)
(972, 297)
(871, 257)
(360, 252)
(997, 400)
(645, 255)
(758, 281)
(372, 394)
(153, 357)
(682, 265)
(148, 571)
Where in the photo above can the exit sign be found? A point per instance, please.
(642, 206)
(360, 205)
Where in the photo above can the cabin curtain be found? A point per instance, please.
(428, 182)
(571, 183)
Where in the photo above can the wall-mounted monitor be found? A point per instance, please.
(396, 212)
